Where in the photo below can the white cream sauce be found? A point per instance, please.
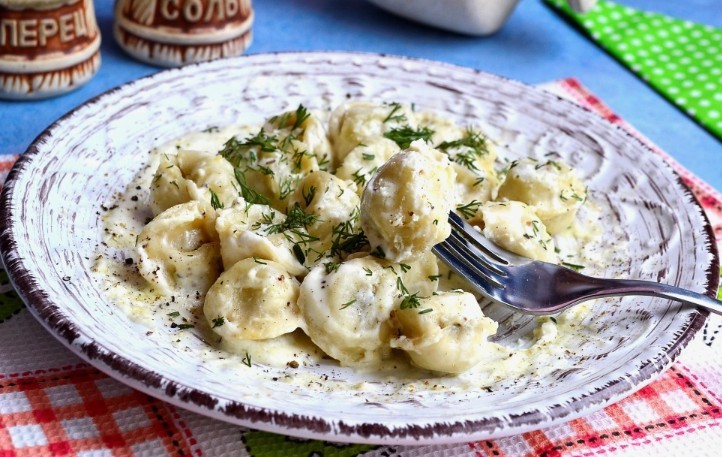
(179, 320)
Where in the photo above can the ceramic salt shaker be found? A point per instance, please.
(47, 47)
(172, 33)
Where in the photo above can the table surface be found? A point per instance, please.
(535, 46)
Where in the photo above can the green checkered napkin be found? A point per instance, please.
(682, 60)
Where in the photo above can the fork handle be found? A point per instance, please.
(618, 287)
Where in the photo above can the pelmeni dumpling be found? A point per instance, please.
(355, 123)
(347, 311)
(273, 161)
(515, 227)
(405, 207)
(302, 133)
(420, 276)
(168, 187)
(364, 160)
(253, 300)
(208, 173)
(472, 156)
(192, 175)
(179, 249)
(329, 201)
(446, 332)
(551, 188)
(247, 231)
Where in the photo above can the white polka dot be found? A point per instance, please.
(695, 93)
(629, 57)
(683, 39)
(687, 83)
(676, 28)
(714, 114)
(663, 33)
(673, 90)
(703, 42)
(623, 46)
(681, 101)
(705, 103)
(693, 69)
(692, 111)
(672, 66)
(642, 53)
(717, 96)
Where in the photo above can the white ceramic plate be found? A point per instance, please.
(51, 232)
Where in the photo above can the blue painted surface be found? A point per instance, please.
(535, 46)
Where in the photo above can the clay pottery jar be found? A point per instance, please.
(172, 33)
(47, 47)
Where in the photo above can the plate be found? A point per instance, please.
(52, 231)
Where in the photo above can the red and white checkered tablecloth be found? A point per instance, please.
(52, 403)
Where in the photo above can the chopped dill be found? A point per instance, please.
(404, 136)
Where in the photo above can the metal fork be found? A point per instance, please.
(536, 287)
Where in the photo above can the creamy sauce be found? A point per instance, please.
(543, 347)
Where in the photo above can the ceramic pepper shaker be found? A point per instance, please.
(47, 47)
(178, 32)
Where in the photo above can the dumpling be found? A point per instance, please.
(405, 207)
(179, 249)
(192, 175)
(515, 227)
(355, 123)
(247, 231)
(328, 203)
(446, 332)
(253, 300)
(347, 311)
(362, 162)
(552, 189)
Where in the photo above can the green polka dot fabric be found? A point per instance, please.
(682, 60)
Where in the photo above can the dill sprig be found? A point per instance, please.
(410, 302)
(236, 151)
(469, 210)
(346, 237)
(472, 140)
(216, 203)
(248, 194)
(393, 116)
(347, 304)
(404, 136)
